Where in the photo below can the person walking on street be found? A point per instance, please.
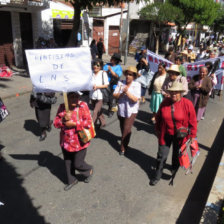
(175, 112)
(100, 48)
(174, 75)
(145, 76)
(200, 87)
(128, 93)
(93, 49)
(74, 151)
(156, 90)
(100, 81)
(114, 72)
(42, 103)
(179, 61)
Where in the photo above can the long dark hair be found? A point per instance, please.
(93, 42)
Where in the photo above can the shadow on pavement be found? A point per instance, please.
(201, 146)
(110, 137)
(146, 162)
(195, 203)
(18, 206)
(32, 126)
(5, 80)
(144, 116)
(46, 159)
(3, 86)
(145, 127)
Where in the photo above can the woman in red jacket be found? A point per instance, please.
(174, 113)
(74, 151)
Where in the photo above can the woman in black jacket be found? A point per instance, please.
(42, 104)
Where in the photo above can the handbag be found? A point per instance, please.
(3, 111)
(86, 134)
(5, 71)
(105, 92)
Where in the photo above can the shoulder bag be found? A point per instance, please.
(105, 92)
(86, 134)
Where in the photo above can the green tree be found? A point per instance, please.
(202, 12)
(80, 5)
(160, 14)
(218, 25)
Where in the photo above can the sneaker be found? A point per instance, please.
(202, 118)
(43, 136)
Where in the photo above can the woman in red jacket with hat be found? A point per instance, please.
(175, 112)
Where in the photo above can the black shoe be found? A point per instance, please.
(42, 137)
(69, 186)
(88, 179)
(49, 126)
(111, 113)
(153, 182)
(121, 153)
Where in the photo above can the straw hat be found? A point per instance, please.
(132, 69)
(174, 68)
(184, 52)
(176, 86)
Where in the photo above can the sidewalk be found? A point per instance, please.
(21, 84)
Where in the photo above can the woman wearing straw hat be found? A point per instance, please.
(174, 75)
(128, 93)
(175, 112)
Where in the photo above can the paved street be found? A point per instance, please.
(32, 174)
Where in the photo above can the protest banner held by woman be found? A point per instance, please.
(128, 93)
(42, 103)
(73, 149)
(175, 113)
(100, 81)
(200, 87)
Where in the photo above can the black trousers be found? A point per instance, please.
(76, 161)
(163, 153)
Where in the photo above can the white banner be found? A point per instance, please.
(191, 68)
(64, 70)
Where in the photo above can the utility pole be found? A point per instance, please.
(127, 35)
(121, 25)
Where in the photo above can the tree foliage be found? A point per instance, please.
(80, 5)
(203, 12)
(218, 25)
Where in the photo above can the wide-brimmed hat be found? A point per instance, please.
(132, 69)
(117, 57)
(174, 68)
(184, 52)
(176, 86)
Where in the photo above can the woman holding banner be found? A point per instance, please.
(128, 94)
(100, 81)
(74, 151)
